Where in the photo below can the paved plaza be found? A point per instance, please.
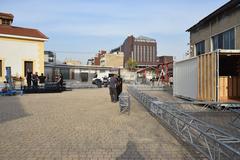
(82, 124)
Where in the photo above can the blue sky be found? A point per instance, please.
(79, 28)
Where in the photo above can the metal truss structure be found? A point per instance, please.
(124, 102)
(213, 143)
(236, 119)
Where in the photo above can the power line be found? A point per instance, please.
(75, 52)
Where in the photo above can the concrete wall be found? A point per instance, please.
(128, 75)
(15, 51)
(217, 25)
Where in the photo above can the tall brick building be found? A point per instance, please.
(142, 49)
(96, 59)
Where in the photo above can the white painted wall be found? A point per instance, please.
(14, 53)
(128, 75)
(185, 78)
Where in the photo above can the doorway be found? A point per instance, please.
(28, 65)
(229, 77)
(84, 77)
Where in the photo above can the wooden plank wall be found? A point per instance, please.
(223, 88)
(207, 77)
(234, 87)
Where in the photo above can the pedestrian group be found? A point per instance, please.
(33, 80)
(115, 88)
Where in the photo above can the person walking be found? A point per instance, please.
(119, 86)
(113, 88)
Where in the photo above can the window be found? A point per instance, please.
(200, 48)
(138, 53)
(6, 22)
(151, 52)
(135, 53)
(141, 54)
(225, 40)
(1, 68)
(154, 53)
(144, 54)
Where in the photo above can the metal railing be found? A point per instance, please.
(124, 102)
(207, 139)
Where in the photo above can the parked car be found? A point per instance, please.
(105, 81)
(97, 82)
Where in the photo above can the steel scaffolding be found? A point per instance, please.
(207, 139)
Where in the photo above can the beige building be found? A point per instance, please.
(72, 62)
(114, 59)
(219, 30)
(21, 48)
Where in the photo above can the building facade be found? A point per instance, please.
(22, 48)
(114, 60)
(72, 62)
(142, 49)
(96, 59)
(50, 57)
(82, 73)
(164, 59)
(6, 18)
(212, 72)
(90, 61)
(166, 62)
(219, 30)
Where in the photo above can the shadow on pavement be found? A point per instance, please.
(11, 109)
(131, 152)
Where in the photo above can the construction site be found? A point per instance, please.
(127, 103)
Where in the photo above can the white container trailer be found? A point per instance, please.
(185, 78)
(213, 76)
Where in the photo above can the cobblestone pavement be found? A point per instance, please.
(82, 124)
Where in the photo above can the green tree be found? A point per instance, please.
(131, 64)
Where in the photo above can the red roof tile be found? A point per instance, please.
(19, 31)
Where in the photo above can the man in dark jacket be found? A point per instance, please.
(119, 86)
(29, 78)
(113, 88)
